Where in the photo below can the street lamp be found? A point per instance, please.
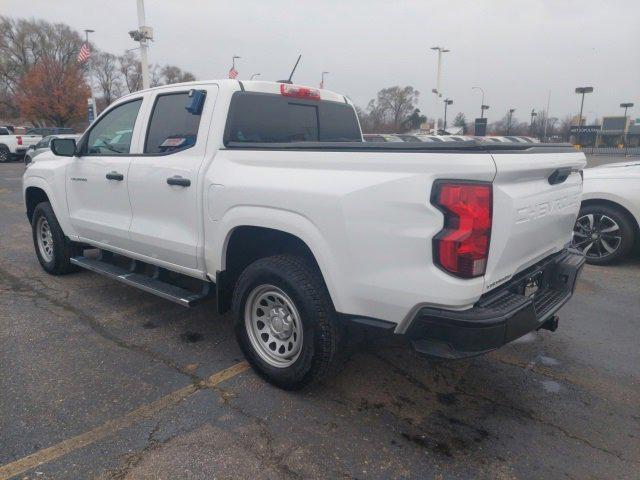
(254, 76)
(447, 102)
(625, 106)
(582, 91)
(437, 90)
(322, 79)
(533, 115)
(482, 105)
(511, 110)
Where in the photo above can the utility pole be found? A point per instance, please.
(511, 110)
(142, 35)
(447, 102)
(437, 90)
(94, 108)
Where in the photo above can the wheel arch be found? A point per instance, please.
(32, 197)
(36, 190)
(616, 206)
(271, 232)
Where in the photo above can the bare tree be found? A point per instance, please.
(172, 74)
(398, 103)
(106, 70)
(131, 71)
(25, 44)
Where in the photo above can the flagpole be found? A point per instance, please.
(90, 71)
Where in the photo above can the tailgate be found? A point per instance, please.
(534, 211)
(28, 140)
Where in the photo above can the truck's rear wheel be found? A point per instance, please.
(285, 322)
(52, 248)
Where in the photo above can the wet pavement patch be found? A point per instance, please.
(191, 337)
(447, 398)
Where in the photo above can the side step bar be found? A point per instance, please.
(149, 284)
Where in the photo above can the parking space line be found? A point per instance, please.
(112, 426)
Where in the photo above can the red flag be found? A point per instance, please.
(233, 73)
(83, 54)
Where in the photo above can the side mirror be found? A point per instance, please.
(64, 147)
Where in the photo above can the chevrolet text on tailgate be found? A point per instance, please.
(264, 196)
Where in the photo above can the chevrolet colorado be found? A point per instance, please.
(264, 195)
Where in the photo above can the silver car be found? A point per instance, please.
(44, 145)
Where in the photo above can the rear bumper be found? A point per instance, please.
(502, 315)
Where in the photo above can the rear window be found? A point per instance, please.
(267, 118)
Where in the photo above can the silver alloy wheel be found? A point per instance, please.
(4, 154)
(45, 239)
(273, 325)
(596, 235)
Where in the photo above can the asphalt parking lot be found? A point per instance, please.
(99, 380)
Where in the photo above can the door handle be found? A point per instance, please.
(115, 176)
(177, 180)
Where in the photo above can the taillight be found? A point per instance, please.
(19, 139)
(462, 247)
(299, 92)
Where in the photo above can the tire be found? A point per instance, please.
(299, 295)
(5, 154)
(55, 251)
(605, 234)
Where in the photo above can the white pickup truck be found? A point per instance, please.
(264, 196)
(15, 146)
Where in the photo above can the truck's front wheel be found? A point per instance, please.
(285, 322)
(52, 248)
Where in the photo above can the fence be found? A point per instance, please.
(625, 151)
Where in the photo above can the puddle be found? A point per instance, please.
(190, 337)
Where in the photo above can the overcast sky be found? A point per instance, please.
(515, 50)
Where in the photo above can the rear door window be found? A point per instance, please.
(267, 118)
(171, 127)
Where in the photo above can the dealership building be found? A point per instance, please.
(613, 132)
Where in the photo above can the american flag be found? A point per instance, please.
(83, 54)
(233, 73)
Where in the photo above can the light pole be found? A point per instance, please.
(511, 110)
(482, 105)
(89, 69)
(141, 36)
(322, 79)
(437, 90)
(582, 91)
(625, 106)
(254, 76)
(447, 102)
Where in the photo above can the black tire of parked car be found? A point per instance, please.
(322, 334)
(5, 154)
(626, 232)
(62, 248)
